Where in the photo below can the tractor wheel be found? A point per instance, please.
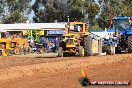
(5, 53)
(60, 51)
(81, 51)
(24, 51)
(111, 50)
(10, 52)
(17, 51)
(87, 46)
(129, 40)
(118, 50)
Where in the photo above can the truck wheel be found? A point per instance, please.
(60, 51)
(81, 51)
(87, 46)
(129, 40)
(17, 51)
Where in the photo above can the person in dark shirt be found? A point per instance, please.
(56, 43)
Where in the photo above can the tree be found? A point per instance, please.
(80, 9)
(60, 9)
(15, 17)
(49, 13)
(16, 11)
(111, 8)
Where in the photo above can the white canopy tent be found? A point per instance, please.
(29, 26)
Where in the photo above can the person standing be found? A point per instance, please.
(46, 44)
(57, 43)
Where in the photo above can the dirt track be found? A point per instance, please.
(63, 72)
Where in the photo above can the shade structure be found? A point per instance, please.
(29, 26)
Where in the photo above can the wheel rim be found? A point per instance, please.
(17, 51)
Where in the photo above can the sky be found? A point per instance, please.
(31, 15)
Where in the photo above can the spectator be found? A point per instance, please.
(46, 44)
(43, 41)
(57, 43)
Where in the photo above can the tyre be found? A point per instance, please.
(10, 52)
(118, 50)
(81, 51)
(129, 41)
(24, 51)
(88, 46)
(4, 53)
(17, 51)
(60, 51)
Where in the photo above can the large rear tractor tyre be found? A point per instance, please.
(17, 51)
(60, 51)
(81, 51)
(129, 40)
(87, 46)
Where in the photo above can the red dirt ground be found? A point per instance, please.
(65, 72)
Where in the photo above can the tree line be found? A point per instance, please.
(96, 12)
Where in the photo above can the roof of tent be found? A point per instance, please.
(28, 26)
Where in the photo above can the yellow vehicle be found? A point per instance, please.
(5, 48)
(76, 40)
(13, 45)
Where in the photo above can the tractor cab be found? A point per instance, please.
(76, 28)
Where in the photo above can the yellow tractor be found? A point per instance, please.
(13, 45)
(76, 40)
(5, 49)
